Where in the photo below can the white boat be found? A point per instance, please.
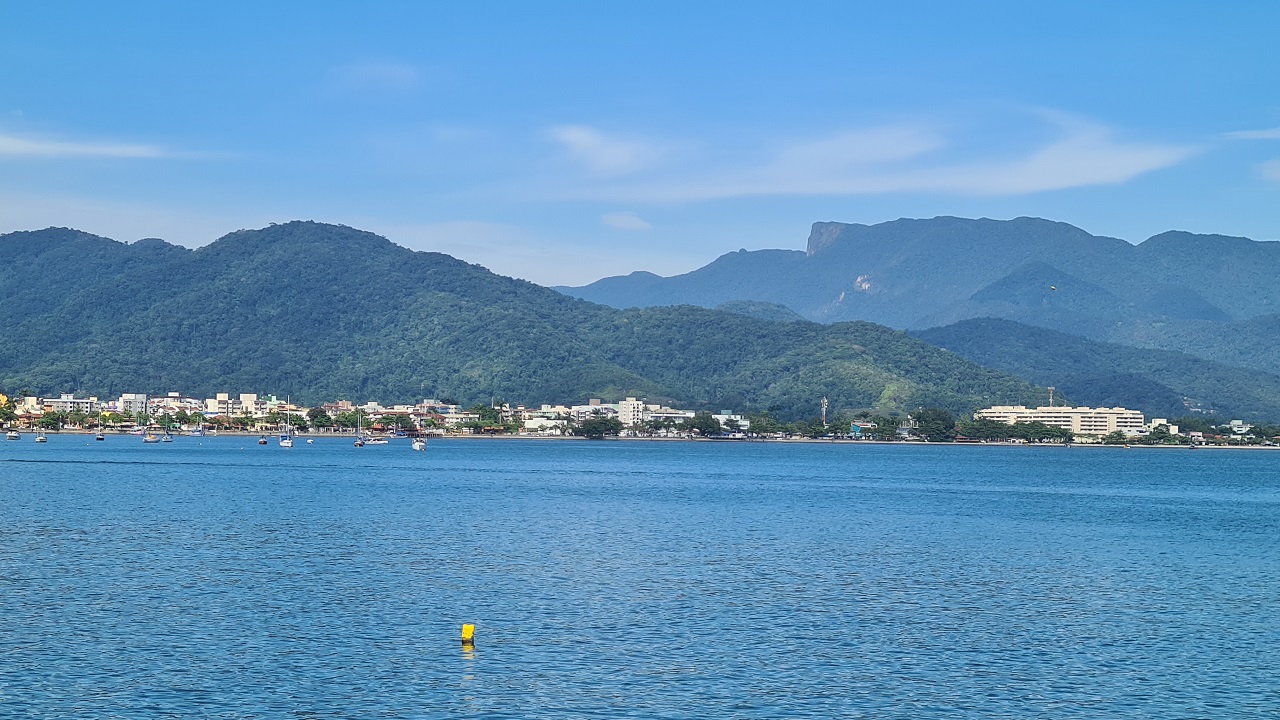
(262, 440)
(196, 432)
(286, 437)
(13, 435)
(40, 437)
(419, 444)
(150, 438)
(375, 441)
(166, 437)
(310, 441)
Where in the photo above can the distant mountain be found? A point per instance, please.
(321, 311)
(1158, 382)
(925, 273)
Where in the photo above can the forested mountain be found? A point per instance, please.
(322, 311)
(1175, 290)
(1158, 382)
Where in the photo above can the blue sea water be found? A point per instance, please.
(216, 578)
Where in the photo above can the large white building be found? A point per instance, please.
(1079, 420)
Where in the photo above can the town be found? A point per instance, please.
(254, 413)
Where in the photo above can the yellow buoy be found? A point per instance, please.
(468, 634)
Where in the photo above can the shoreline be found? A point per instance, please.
(805, 441)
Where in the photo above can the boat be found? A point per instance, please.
(359, 436)
(375, 441)
(196, 431)
(419, 444)
(166, 437)
(100, 436)
(262, 440)
(286, 437)
(13, 435)
(310, 441)
(150, 438)
(40, 437)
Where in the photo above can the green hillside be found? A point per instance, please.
(1212, 296)
(322, 311)
(1158, 382)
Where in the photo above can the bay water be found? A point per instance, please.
(213, 577)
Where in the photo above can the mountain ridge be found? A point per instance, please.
(920, 273)
(322, 311)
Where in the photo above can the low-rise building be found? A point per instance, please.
(67, 403)
(1079, 420)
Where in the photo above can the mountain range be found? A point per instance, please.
(1212, 296)
(321, 312)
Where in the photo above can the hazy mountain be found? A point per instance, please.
(1158, 382)
(321, 311)
(924, 273)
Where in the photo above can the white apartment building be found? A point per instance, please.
(70, 403)
(1079, 420)
(134, 403)
(631, 412)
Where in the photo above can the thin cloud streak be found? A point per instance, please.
(15, 146)
(376, 77)
(1268, 134)
(625, 221)
(605, 155)
(897, 160)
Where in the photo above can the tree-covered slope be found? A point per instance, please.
(1176, 290)
(323, 311)
(1158, 382)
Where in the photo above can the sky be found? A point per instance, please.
(561, 142)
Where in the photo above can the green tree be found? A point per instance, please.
(398, 421)
(319, 418)
(349, 418)
(488, 415)
(598, 426)
(763, 424)
(702, 423)
(50, 421)
(935, 424)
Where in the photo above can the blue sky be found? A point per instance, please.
(562, 142)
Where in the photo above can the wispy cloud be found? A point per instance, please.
(625, 221)
(910, 158)
(376, 77)
(18, 146)
(604, 155)
(1269, 134)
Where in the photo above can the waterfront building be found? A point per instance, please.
(1079, 420)
(67, 403)
(134, 403)
(631, 412)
